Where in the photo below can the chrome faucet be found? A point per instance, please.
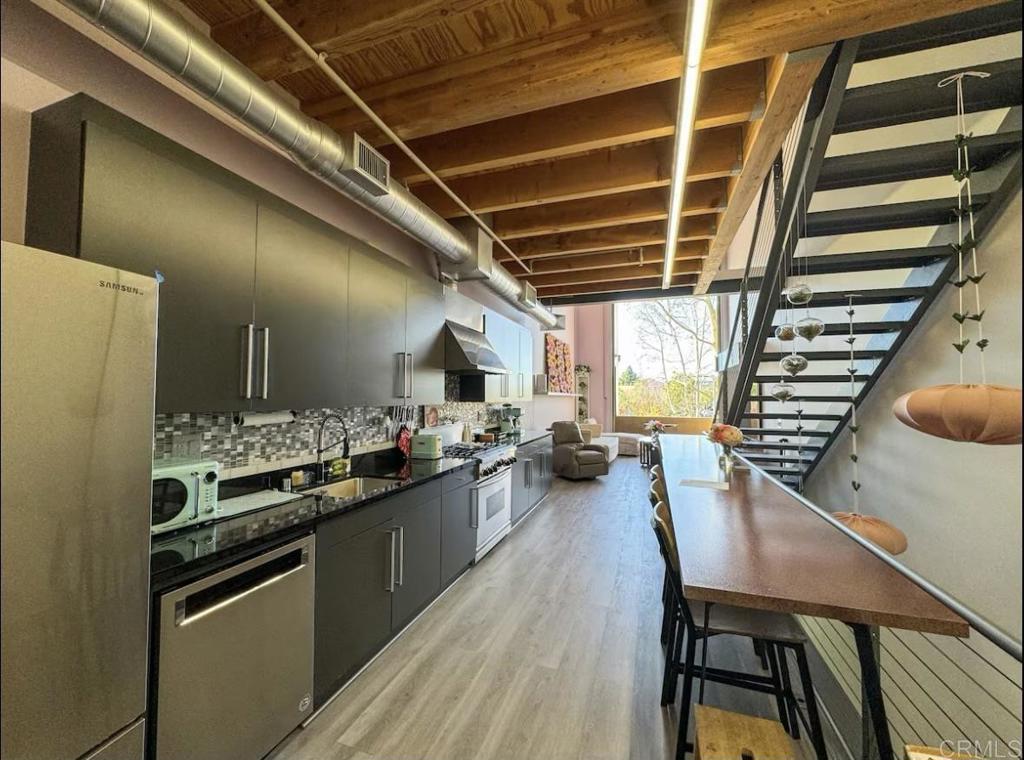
(320, 448)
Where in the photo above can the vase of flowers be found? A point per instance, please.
(725, 437)
(654, 428)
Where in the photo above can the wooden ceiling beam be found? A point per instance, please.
(613, 274)
(607, 210)
(744, 30)
(609, 239)
(790, 78)
(687, 251)
(717, 153)
(585, 60)
(729, 96)
(334, 26)
(616, 286)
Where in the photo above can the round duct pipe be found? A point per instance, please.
(165, 39)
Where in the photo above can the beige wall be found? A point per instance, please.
(960, 506)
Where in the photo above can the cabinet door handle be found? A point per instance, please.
(474, 512)
(389, 585)
(401, 555)
(401, 380)
(265, 379)
(248, 345)
(410, 368)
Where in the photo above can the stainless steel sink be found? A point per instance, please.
(352, 487)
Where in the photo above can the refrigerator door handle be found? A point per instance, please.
(248, 346)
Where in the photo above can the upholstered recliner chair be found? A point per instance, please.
(574, 457)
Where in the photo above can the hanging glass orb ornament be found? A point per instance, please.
(782, 392)
(785, 332)
(809, 328)
(799, 294)
(793, 364)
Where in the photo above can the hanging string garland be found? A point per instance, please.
(979, 413)
(875, 529)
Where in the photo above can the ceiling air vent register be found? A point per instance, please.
(368, 168)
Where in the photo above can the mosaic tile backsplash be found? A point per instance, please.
(242, 450)
(221, 438)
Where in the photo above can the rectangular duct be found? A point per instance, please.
(480, 263)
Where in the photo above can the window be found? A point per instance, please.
(665, 357)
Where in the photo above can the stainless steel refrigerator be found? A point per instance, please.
(78, 359)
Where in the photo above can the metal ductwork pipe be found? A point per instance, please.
(162, 37)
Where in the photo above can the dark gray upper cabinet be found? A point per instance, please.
(147, 212)
(301, 312)
(524, 388)
(424, 339)
(244, 271)
(377, 368)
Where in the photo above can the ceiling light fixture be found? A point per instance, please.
(698, 13)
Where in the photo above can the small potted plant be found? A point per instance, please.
(725, 436)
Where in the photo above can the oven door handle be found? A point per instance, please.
(474, 510)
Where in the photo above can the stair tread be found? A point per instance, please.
(811, 355)
(755, 457)
(777, 445)
(805, 399)
(887, 216)
(813, 379)
(785, 432)
(868, 296)
(918, 98)
(912, 161)
(872, 261)
(979, 23)
(859, 328)
(792, 416)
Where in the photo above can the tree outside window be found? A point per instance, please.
(666, 353)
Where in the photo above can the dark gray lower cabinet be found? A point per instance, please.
(353, 602)
(458, 534)
(376, 568)
(521, 493)
(418, 578)
(531, 476)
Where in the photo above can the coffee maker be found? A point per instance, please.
(510, 419)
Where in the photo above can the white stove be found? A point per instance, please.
(492, 493)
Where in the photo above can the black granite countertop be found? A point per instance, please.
(180, 554)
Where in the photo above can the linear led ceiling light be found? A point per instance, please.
(697, 16)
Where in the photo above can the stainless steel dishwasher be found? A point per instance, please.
(235, 671)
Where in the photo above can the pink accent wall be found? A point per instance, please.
(593, 346)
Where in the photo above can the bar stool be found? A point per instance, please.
(724, 735)
(657, 473)
(688, 625)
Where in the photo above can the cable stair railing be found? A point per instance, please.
(789, 436)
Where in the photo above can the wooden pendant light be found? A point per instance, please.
(989, 414)
(876, 530)
(975, 413)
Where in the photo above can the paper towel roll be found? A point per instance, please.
(253, 419)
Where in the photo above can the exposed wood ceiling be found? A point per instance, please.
(556, 117)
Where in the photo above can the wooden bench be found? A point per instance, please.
(724, 735)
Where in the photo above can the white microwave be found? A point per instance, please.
(183, 494)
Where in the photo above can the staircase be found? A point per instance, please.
(874, 218)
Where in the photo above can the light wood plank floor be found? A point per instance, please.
(546, 649)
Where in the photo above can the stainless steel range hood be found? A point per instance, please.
(468, 352)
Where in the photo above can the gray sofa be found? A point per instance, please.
(574, 458)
